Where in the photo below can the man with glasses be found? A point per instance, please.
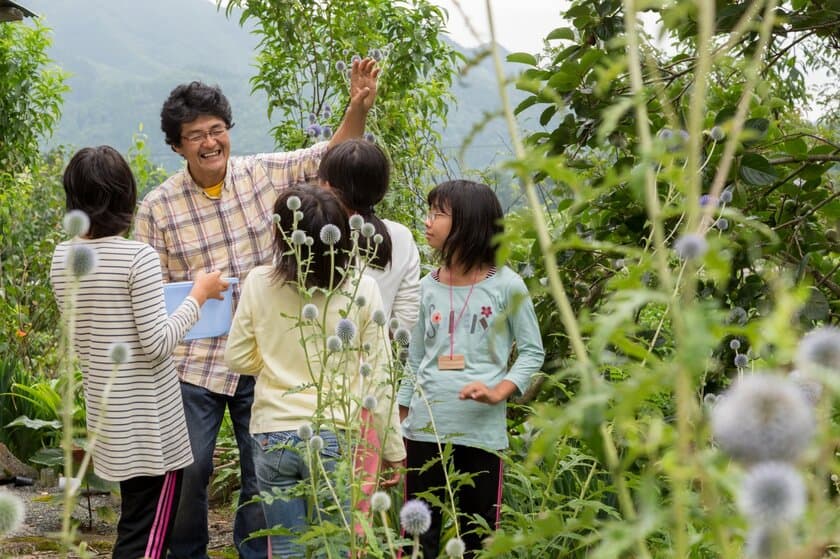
(216, 215)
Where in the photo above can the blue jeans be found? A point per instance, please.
(204, 411)
(280, 460)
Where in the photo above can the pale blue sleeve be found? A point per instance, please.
(526, 332)
(416, 349)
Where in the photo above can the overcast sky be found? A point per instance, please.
(520, 25)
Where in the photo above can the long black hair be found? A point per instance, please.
(320, 208)
(476, 216)
(99, 182)
(359, 172)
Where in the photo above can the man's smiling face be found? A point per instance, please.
(205, 144)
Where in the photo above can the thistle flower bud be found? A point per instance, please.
(369, 402)
(717, 133)
(741, 360)
(361, 301)
(726, 196)
(690, 246)
(304, 432)
(415, 517)
(76, 223)
(365, 370)
(379, 317)
(356, 221)
(298, 237)
(368, 230)
(345, 330)
(119, 352)
(819, 349)
(340, 66)
(455, 548)
(334, 344)
(380, 502)
(377, 239)
(735, 344)
(293, 203)
(772, 494)
(402, 336)
(330, 234)
(309, 312)
(81, 260)
(316, 443)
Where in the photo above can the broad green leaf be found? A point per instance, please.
(561, 33)
(756, 170)
(522, 58)
(35, 424)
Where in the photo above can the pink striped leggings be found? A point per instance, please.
(484, 499)
(146, 515)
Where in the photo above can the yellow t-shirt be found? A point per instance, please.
(215, 191)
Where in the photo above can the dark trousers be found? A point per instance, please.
(483, 499)
(204, 411)
(147, 514)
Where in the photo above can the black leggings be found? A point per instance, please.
(484, 499)
(146, 515)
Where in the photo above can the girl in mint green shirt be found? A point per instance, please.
(458, 380)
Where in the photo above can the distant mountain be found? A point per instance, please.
(125, 56)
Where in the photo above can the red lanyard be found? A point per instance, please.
(453, 323)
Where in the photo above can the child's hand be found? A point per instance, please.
(208, 285)
(480, 392)
(394, 468)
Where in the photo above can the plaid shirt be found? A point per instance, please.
(234, 234)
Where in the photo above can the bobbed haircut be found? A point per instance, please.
(189, 101)
(476, 216)
(359, 172)
(99, 182)
(320, 207)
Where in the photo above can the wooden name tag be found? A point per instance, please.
(454, 363)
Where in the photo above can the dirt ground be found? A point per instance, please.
(37, 537)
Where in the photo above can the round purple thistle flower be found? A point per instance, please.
(415, 517)
(326, 131)
(316, 443)
(369, 402)
(741, 360)
(368, 230)
(402, 336)
(706, 200)
(455, 548)
(334, 344)
(298, 237)
(361, 301)
(380, 502)
(369, 137)
(119, 352)
(304, 432)
(293, 203)
(665, 134)
(690, 246)
(313, 130)
(772, 494)
(738, 316)
(379, 317)
(345, 330)
(735, 344)
(330, 234)
(81, 260)
(819, 349)
(376, 54)
(356, 221)
(309, 312)
(355, 58)
(726, 196)
(763, 417)
(327, 112)
(717, 133)
(76, 223)
(365, 370)
(722, 224)
(340, 66)
(313, 118)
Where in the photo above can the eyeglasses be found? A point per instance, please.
(214, 133)
(432, 216)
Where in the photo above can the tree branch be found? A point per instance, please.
(800, 158)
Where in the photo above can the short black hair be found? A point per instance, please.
(359, 172)
(320, 207)
(189, 101)
(99, 182)
(476, 216)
